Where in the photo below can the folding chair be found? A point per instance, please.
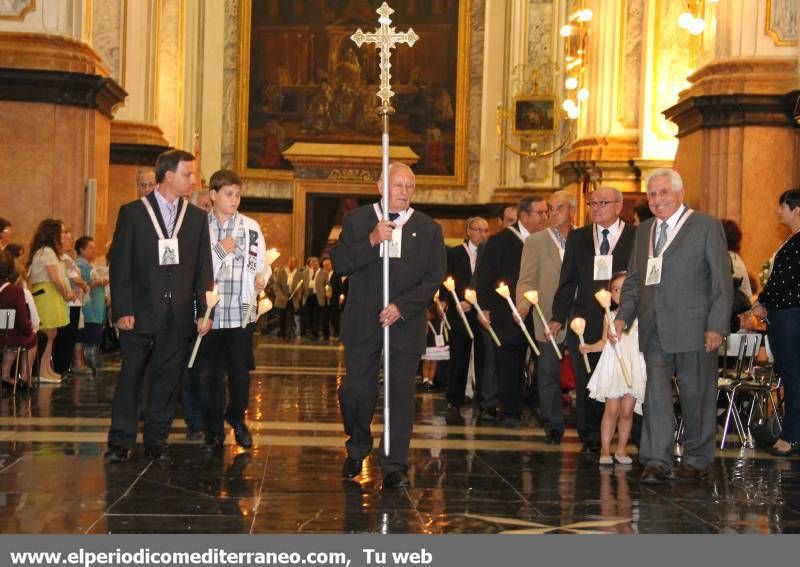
(743, 349)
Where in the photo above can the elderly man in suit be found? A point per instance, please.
(500, 264)
(461, 261)
(154, 302)
(417, 267)
(539, 270)
(679, 285)
(591, 255)
(286, 281)
(309, 322)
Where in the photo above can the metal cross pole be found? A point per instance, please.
(385, 39)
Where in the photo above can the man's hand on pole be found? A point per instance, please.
(389, 315)
(381, 232)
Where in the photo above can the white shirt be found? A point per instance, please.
(671, 221)
(523, 231)
(613, 230)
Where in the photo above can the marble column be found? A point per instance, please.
(56, 105)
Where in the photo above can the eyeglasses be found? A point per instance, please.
(599, 204)
(543, 213)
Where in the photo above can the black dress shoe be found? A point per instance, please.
(554, 437)
(156, 453)
(590, 448)
(688, 472)
(395, 480)
(351, 468)
(242, 435)
(116, 454)
(428, 386)
(653, 474)
(213, 444)
(794, 449)
(510, 421)
(488, 414)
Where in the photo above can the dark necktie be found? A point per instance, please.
(661, 240)
(604, 246)
(393, 216)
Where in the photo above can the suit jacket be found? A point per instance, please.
(319, 289)
(284, 287)
(458, 267)
(500, 263)
(696, 290)
(149, 292)
(576, 285)
(539, 270)
(413, 279)
(338, 289)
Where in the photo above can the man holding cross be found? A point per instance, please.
(417, 267)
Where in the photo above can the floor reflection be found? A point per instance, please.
(464, 479)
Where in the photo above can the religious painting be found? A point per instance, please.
(16, 9)
(781, 21)
(304, 80)
(534, 116)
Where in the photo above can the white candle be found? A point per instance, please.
(450, 285)
(441, 311)
(578, 326)
(502, 290)
(212, 298)
(533, 298)
(472, 297)
(272, 255)
(603, 297)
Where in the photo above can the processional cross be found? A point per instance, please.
(385, 38)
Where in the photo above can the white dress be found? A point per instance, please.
(608, 381)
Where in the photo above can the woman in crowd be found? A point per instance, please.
(64, 345)
(12, 296)
(733, 235)
(779, 304)
(50, 290)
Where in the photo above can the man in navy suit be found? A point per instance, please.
(461, 261)
(500, 264)
(417, 267)
(160, 263)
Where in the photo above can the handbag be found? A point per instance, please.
(567, 374)
(766, 432)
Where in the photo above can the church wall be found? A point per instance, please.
(47, 153)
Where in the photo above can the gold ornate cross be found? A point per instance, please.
(385, 38)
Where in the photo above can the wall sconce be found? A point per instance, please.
(576, 34)
(691, 19)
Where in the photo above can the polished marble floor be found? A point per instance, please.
(464, 479)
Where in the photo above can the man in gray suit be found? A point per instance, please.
(679, 285)
(539, 270)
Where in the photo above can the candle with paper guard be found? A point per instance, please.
(440, 310)
(533, 298)
(472, 297)
(603, 297)
(271, 256)
(450, 285)
(298, 286)
(503, 292)
(578, 326)
(212, 298)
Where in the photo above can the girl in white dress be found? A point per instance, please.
(608, 384)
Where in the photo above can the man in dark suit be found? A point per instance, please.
(154, 301)
(461, 262)
(500, 264)
(585, 270)
(337, 301)
(684, 311)
(418, 260)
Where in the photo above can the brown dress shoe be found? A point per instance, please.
(688, 472)
(653, 474)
